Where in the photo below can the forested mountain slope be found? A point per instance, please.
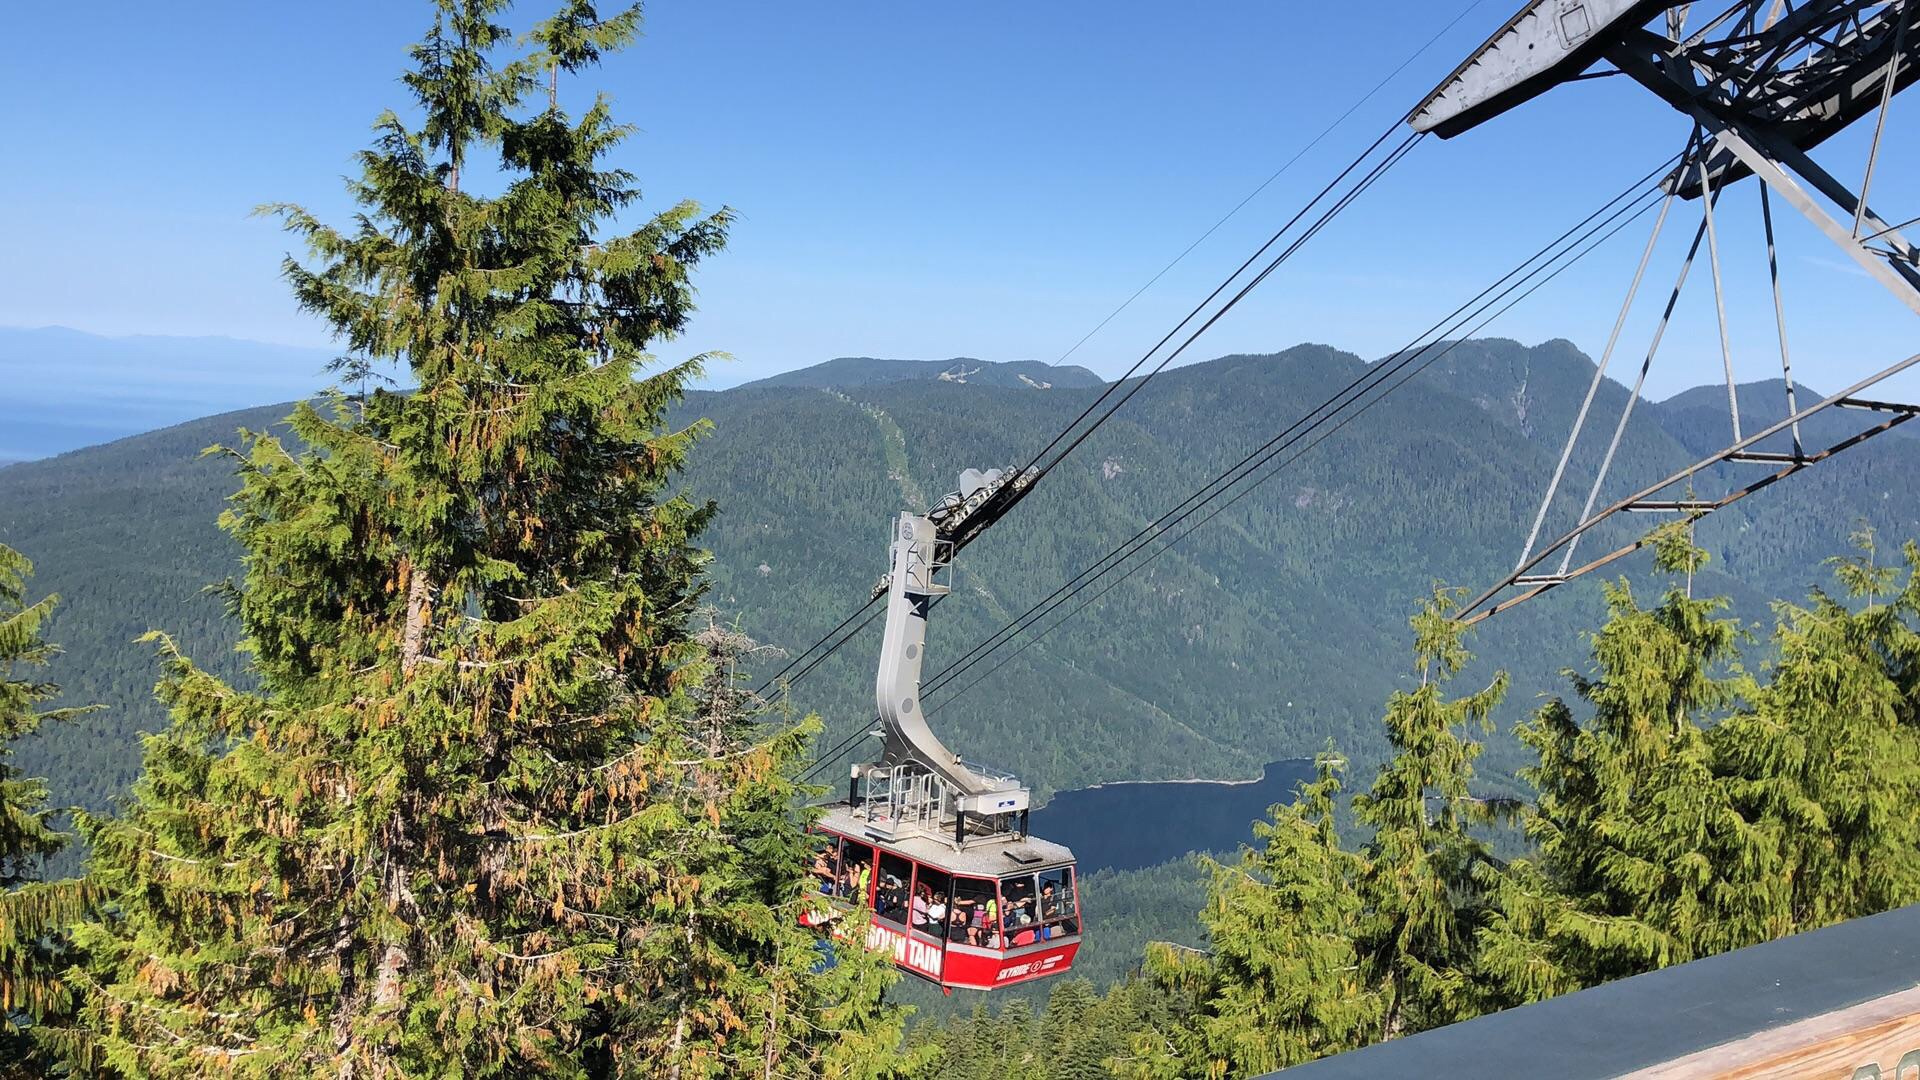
(1276, 627)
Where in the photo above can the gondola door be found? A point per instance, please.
(900, 914)
(927, 917)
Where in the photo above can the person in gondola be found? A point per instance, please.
(1049, 910)
(960, 920)
(862, 882)
(986, 923)
(1019, 904)
(823, 871)
(1020, 929)
(959, 915)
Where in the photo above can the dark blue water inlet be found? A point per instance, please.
(1127, 826)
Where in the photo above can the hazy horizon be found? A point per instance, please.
(931, 182)
(142, 382)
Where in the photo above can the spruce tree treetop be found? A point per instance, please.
(1643, 858)
(1829, 750)
(26, 836)
(1282, 982)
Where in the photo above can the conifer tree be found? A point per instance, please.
(1074, 1035)
(807, 1019)
(1282, 982)
(1425, 868)
(1643, 858)
(1828, 756)
(33, 912)
(489, 812)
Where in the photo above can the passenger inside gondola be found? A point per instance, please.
(1056, 902)
(973, 905)
(1018, 894)
(930, 900)
(891, 901)
(823, 870)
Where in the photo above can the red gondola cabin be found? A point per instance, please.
(934, 846)
(977, 918)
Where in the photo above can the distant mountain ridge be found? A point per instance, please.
(69, 389)
(848, 371)
(1277, 627)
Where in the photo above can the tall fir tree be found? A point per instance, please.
(1828, 754)
(1643, 859)
(1424, 885)
(481, 816)
(1282, 983)
(33, 913)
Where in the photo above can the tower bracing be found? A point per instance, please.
(1763, 83)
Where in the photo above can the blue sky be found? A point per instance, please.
(914, 180)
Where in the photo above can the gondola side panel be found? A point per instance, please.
(975, 968)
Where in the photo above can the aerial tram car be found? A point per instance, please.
(934, 847)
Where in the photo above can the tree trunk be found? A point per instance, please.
(413, 635)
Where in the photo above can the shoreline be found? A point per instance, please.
(1264, 770)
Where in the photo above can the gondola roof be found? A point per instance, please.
(983, 858)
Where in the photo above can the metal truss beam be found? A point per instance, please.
(1655, 63)
(1763, 82)
(1533, 584)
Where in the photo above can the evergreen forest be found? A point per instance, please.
(417, 729)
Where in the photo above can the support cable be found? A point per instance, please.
(1639, 382)
(1338, 401)
(1248, 489)
(1271, 177)
(1371, 177)
(1375, 376)
(994, 509)
(1345, 201)
(798, 659)
(1010, 496)
(1780, 316)
(1371, 379)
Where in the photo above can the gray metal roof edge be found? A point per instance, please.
(1643, 1020)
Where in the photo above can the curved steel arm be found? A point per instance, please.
(910, 592)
